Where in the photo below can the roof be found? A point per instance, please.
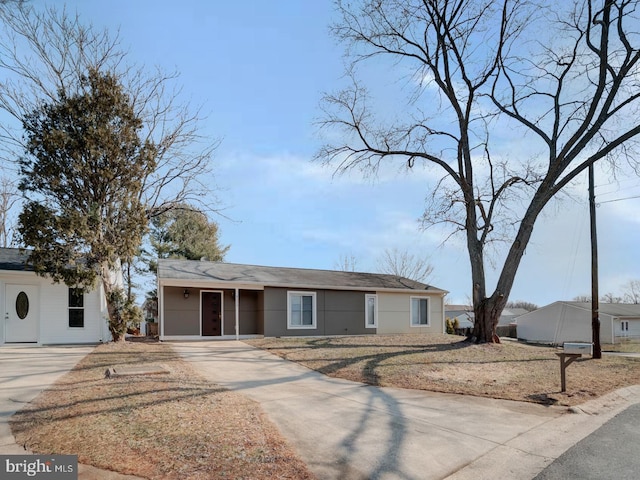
(234, 273)
(458, 308)
(14, 259)
(619, 310)
(514, 312)
(613, 309)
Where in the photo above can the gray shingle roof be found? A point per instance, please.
(613, 309)
(14, 259)
(202, 271)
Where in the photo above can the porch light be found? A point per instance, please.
(186, 293)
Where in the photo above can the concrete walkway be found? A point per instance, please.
(347, 430)
(25, 371)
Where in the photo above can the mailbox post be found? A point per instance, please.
(571, 352)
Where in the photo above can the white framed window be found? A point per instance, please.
(76, 308)
(301, 310)
(370, 311)
(419, 311)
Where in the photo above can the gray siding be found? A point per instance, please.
(337, 313)
(344, 313)
(251, 313)
(181, 315)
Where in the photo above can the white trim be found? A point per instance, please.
(417, 325)
(237, 302)
(161, 310)
(69, 308)
(366, 310)
(221, 292)
(313, 310)
(200, 338)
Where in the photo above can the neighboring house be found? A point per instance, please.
(465, 317)
(562, 322)
(509, 315)
(38, 311)
(463, 313)
(200, 299)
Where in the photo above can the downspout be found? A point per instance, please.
(444, 322)
(237, 314)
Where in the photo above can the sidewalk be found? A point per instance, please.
(347, 430)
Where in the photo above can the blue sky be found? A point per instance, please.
(259, 69)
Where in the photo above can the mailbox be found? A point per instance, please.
(578, 348)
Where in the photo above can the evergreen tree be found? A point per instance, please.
(82, 176)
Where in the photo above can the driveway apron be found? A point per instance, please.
(24, 372)
(348, 430)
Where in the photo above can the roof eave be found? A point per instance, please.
(200, 283)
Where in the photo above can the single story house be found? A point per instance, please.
(562, 322)
(464, 314)
(509, 315)
(38, 311)
(204, 300)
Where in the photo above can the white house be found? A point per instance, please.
(562, 322)
(38, 311)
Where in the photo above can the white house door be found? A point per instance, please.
(624, 326)
(21, 313)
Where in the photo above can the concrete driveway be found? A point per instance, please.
(24, 372)
(347, 430)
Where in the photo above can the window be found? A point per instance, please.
(419, 311)
(76, 308)
(301, 310)
(370, 311)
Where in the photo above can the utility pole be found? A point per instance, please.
(595, 320)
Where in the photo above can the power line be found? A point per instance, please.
(619, 199)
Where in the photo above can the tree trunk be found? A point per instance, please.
(114, 297)
(487, 314)
(487, 310)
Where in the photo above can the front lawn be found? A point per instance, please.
(445, 363)
(169, 426)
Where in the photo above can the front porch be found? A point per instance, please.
(209, 313)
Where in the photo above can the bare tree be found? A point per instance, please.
(9, 197)
(405, 264)
(528, 306)
(631, 291)
(582, 298)
(562, 76)
(47, 51)
(346, 263)
(610, 298)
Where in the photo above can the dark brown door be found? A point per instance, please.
(211, 313)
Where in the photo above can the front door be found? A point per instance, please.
(21, 313)
(211, 314)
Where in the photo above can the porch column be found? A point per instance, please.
(237, 314)
(160, 311)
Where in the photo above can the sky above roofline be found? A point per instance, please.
(260, 69)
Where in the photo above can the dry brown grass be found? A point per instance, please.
(630, 345)
(444, 363)
(174, 426)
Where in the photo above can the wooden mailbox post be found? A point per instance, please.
(572, 351)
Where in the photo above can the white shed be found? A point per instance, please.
(562, 322)
(38, 311)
